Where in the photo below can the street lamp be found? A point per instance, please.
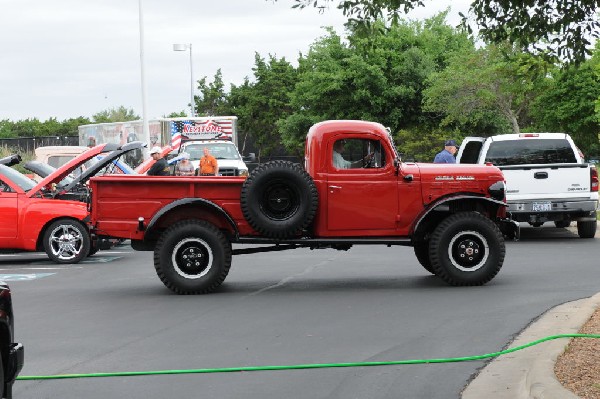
(184, 47)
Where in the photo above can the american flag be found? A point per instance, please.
(207, 129)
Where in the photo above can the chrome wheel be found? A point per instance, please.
(192, 258)
(66, 242)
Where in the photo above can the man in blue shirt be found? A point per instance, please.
(447, 154)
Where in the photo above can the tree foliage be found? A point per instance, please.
(492, 88)
(119, 114)
(212, 99)
(557, 28)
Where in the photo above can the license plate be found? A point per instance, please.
(542, 206)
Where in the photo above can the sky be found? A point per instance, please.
(69, 58)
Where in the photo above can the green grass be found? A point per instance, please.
(25, 155)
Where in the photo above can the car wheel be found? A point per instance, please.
(192, 257)
(587, 229)
(422, 254)
(66, 241)
(466, 248)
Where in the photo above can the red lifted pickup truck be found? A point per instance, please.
(353, 189)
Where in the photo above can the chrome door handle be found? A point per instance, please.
(334, 187)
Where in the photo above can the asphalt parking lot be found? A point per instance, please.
(112, 314)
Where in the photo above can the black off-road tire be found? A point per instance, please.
(587, 229)
(466, 248)
(561, 224)
(422, 254)
(192, 257)
(279, 199)
(66, 241)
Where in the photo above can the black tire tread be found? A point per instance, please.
(211, 229)
(587, 229)
(437, 237)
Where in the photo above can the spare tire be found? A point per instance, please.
(279, 199)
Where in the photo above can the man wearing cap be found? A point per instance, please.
(447, 154)
(160, 167)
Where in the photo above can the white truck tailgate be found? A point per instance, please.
(546, 181)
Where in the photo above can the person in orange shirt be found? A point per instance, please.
(208, 164)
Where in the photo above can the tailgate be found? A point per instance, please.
(548, 181)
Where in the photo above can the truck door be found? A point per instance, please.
(362, 189)
(470, 150)
(8, 211)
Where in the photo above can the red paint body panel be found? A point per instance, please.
(382, 201)
(23, 218)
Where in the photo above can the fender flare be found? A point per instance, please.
(189, 201)
(444, 200)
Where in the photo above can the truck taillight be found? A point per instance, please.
(594, 179)
(529, 135)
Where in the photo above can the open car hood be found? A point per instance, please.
(104, 162)
(11, 160)
(113, 150)
(39, 168)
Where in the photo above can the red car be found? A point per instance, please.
(51, 215)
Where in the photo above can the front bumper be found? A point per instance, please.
(522, 210)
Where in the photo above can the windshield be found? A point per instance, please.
(17, 178)
(217, 150)
(524, 152)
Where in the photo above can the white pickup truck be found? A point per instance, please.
(546, 177)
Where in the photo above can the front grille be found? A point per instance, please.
(228, 171)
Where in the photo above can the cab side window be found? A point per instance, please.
(358, 153)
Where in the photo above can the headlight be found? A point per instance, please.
(498, 190)
(243, 172)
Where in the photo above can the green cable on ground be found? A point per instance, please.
(305, 366)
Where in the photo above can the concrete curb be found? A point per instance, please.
(529, 373)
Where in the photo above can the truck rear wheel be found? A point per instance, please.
(466, 249)
(587, 229)
(192, 257)
(279, 199)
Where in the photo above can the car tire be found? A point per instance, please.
(66, 241)
(561, 224)
(279, 199)
(192, 257)
(466, 248)
(422, 253)
(587, 229)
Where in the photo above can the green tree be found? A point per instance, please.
(567, 105)
(120, 114)
(482, 87)
(556, 27)
(259, 105)
(212, 99)
(380, 77)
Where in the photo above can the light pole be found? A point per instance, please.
(183, 47)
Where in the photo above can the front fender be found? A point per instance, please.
(444, 204)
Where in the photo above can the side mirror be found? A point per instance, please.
(250, 157)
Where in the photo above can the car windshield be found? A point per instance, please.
(217, 150)
(524, 152)
(16, 177)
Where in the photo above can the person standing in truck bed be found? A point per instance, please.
(160, 167)
(208, 164)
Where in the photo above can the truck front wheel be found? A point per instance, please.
(466, 249)
(192, 257)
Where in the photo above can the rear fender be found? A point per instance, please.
(189, 208)
(436, 211)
